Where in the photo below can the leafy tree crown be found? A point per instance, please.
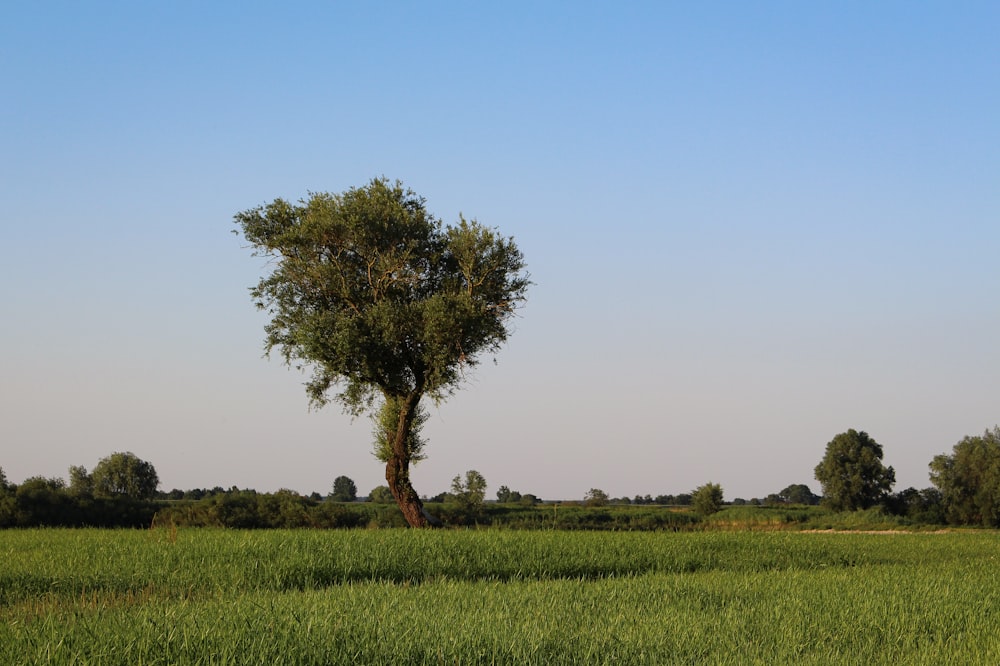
(852, 474)
(374, 295)
(969, 480)
(344, 489)
(707, 499)
(124, 474)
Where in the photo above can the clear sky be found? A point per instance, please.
(751, 226)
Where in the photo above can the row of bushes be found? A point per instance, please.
(48, 504)
(44, 508)
(250, 510)
(42, 505)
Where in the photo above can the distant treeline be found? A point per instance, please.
(39, 503)
(121, 492)
(47, 503)
(89, 500)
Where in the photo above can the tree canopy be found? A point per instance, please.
(969, 480)
(469, 492)
(707, 499)
(798, 493)
(852, 474)
(595, 497)
(344, 489)
(384, 304)
(505, 494)
(124, 475)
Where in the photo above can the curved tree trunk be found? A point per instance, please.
(397, 469)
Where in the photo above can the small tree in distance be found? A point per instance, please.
(707, 499)
(470, 492)
(595, 497)
(344, 490)
(798, 493)
(506, 495)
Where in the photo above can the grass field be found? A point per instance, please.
(202, 596)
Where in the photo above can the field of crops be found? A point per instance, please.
(202, 596)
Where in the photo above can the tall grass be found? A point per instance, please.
(381, 597)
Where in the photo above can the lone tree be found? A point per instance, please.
(384, 305)
(707, 499)
(595, 497)
(469, 492)
(344, 489)
(505, 495)
(852, 474)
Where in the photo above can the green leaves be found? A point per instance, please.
(344, 490)
(852, 474)
(386, 423)
(969, 480)
(469, 492)
(370, 292)
(707, 499)
(126, 475)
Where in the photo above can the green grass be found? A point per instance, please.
(492, 596)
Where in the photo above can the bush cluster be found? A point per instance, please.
(40, 502)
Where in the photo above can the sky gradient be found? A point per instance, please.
(751, 226)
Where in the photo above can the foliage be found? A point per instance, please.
(344, 490)
(852, 474)
(385, 421)
(124, 475)
(506, 495)
(874, 519)
(81, 483)
(707, 499)
(798, 493)
(49, 502)
(8, 504)
(39, 501)
(683, 499)
(767, 518)
(595, 497)
(383, 304)
(469, 493)
(969, 480)
(380, 495)
(920, 506)
(573, 516)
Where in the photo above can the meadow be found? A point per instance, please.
(212, 596)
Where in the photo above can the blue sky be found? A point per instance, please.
(751, 226)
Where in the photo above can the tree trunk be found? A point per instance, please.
(397, 469)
